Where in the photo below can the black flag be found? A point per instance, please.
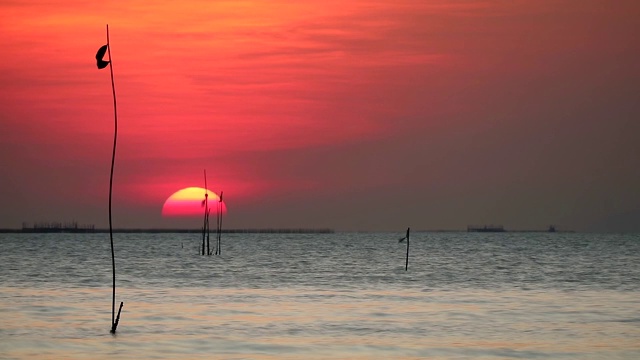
(99, 55)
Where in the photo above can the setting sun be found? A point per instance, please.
(188, 202)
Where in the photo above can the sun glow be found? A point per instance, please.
(188, 202)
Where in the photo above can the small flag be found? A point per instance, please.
(100, 55)
(220, 200)
(202, 204)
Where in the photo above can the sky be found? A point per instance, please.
(350, 115)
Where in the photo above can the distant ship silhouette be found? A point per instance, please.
(485, 228)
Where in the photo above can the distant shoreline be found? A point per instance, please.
(159, 231)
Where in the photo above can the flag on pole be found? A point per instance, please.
(100, 55)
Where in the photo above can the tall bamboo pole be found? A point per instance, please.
(114, 320)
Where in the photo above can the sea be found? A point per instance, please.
(322, 296)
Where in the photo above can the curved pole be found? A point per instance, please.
(114, 320)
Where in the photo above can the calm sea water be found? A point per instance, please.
(322, 296)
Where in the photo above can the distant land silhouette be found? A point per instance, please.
(93, 229)
(500, 228)
(73, 227)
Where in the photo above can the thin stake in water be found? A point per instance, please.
(406, 265)
(219, 224)
(205, 226)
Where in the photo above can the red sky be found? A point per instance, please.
(352, 115)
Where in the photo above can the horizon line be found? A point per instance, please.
(240, 230)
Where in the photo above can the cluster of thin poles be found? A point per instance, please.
(205, 226)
